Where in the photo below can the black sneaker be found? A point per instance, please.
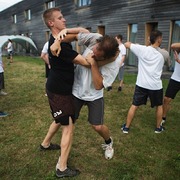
(119, 88)
(109, 88)
(50, 147)
(67, 173)
(3, 114)
(159, 130)
(124, 129)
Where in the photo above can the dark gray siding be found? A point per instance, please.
(114, 15)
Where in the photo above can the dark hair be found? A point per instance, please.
(10, 40)
(108, 45)
(47, 15)
(119, 36)
(154, 36)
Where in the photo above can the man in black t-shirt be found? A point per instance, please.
(59, 91)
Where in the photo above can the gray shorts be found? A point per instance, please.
(121, 73)
(95, 110)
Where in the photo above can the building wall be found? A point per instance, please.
(114, 15)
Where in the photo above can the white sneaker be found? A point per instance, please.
(109, 150)
(2, 93)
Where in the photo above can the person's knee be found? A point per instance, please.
(167, 100)
(97, 128)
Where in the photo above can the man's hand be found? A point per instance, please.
(55, 48)
(62, 34)
(176, 57)
(90, 59)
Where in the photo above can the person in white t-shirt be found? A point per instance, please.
(174, 82)
(90, 82)
(148, 83)
(9, 49)
(45, 57)
(2, 93)
(122, 57)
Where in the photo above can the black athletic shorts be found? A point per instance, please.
(62, 107)
(2, 80)
(141, 96)
(172, 89)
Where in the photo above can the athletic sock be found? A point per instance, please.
(108, 141)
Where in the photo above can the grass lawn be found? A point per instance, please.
(141, 154)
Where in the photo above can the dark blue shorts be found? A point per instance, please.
(141, 96)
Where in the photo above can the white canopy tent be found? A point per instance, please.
(22, 40)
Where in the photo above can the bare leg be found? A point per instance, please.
(166, 106)
(159, 112)
(66, 142)
(52, 130)
(121, 83)
(130, 115)
(102, 130)
(11, 59)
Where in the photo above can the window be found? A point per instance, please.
(176, 32)
(14, 17)
(132, 34)
(50, 4)
(28, 14)
(81, 3)
(175, 38)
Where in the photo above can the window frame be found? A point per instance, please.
(50, 4)
(14, 18)
(28, 15)
(83, 3)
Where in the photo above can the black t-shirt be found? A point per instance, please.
(61, 75)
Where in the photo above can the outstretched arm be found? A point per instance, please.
(66, 35)
(175, 46)
(127, 45)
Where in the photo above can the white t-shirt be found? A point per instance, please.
(176, 74)
(83, 87)
(122, 49)
(45, 48)
(1, 63)
(150, 65)
(9, 47)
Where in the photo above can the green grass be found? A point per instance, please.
(141, 155)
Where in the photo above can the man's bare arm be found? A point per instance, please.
(127, 45)
(66, 35)
(96, 75)
(175, 46)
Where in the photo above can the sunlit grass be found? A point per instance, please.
(141, 154)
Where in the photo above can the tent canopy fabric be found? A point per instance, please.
(22, 40)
